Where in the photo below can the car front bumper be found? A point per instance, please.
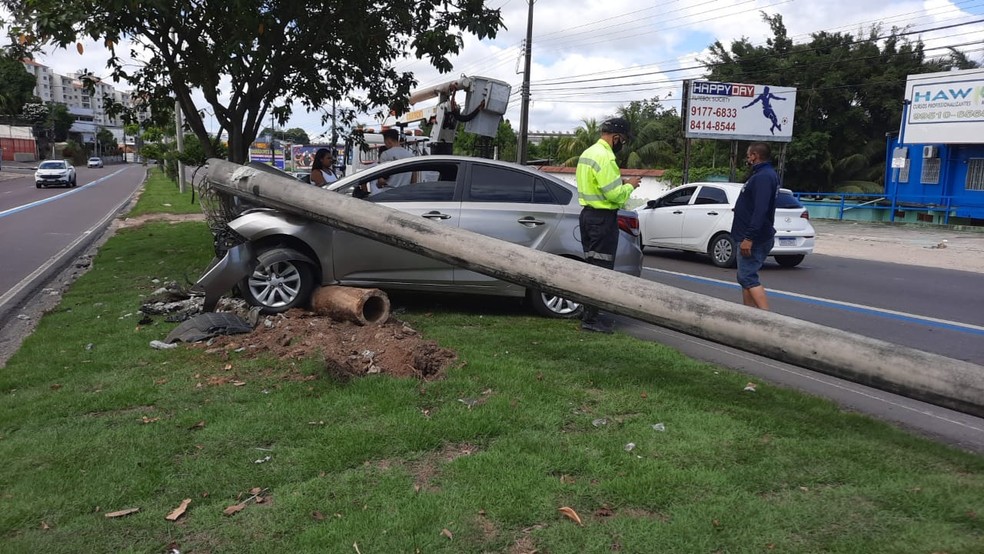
(223, 274)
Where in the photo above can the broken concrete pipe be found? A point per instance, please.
(361, 306)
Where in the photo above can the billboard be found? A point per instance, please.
(737, 111)
(945, 107)
(260, 152)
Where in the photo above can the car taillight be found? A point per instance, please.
(805, 214)
(629, 224)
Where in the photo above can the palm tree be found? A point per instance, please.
(570, 148)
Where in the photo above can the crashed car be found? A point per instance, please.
(282, 258)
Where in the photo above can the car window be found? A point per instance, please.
(52, 165)
(500, 184)
(428, 191)
(678, 198)
(559, 194)
(787, 200)
(711, 195)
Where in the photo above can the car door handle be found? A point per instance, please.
(530, 221)
(712, 213)
(436, 215)
(678, 212)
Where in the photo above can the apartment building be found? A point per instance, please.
(88, 109)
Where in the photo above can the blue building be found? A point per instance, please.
(935, 164)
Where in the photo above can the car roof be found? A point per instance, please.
(437, 158)
(726, 185)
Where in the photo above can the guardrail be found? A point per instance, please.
(881, 207)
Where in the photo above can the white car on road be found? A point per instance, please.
(55, 172)
(697, 217)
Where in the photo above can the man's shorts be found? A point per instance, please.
(748, 267)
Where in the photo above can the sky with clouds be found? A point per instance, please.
(590, 57)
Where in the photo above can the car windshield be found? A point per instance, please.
(52, 165)
(785, 199)
(93, 159)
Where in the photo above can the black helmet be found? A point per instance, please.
(617, 125)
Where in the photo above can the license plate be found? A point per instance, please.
(787, 241)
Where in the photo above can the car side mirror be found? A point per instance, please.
(651, 204)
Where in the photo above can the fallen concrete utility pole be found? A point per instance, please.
(930, 377)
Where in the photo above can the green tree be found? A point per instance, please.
(570, 148)
(59, 121)
(267, 53)
(18, 85)
(107, 142)
(295, 135)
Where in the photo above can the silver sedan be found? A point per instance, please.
(286, 257)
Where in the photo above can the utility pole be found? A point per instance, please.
(524, 117)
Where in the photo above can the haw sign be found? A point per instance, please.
(739, 111)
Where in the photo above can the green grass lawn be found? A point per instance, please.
(94, 421)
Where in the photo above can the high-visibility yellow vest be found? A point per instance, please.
(599, 181)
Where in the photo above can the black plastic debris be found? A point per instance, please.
(208, 325)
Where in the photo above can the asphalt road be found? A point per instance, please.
(932, 309)
(41, 230)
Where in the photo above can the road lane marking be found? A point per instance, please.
(858, 308)
(18, 209)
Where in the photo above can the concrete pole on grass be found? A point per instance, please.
(930, 377)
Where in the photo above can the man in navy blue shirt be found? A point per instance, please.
(752, 228)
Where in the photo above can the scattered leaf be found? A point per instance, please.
(567, 479)
(750, 387)
(78, 46)
(122, 513)
(179, 511)
(44, 525)
(715, 523)
(55, 386)
(447, 534)
(199, 425)
(604, 511)
(317, 516)
(227, 367)
(238, 383)
(644, 395)
(234, 509)
(146, 419)
(569, 513)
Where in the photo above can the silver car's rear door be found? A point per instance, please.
(517, 206)
(432, 195)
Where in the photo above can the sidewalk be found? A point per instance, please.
(910, 244)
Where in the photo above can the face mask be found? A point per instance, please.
(617, 147)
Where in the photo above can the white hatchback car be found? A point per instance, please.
(697, 217)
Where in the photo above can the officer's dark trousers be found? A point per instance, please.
(599, 239)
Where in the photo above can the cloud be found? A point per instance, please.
(580, 47)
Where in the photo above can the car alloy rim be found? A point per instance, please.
(722, 250)
(559, 305)
(275, 285)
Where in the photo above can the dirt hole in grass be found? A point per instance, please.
(349, 350)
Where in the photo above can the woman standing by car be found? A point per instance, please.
(322, 168)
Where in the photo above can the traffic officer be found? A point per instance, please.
(602, 191)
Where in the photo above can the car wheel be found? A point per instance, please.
(789, 260)
(551, 305)
(38, 185)
(74, 182)
(722, 251)
(279, 286)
